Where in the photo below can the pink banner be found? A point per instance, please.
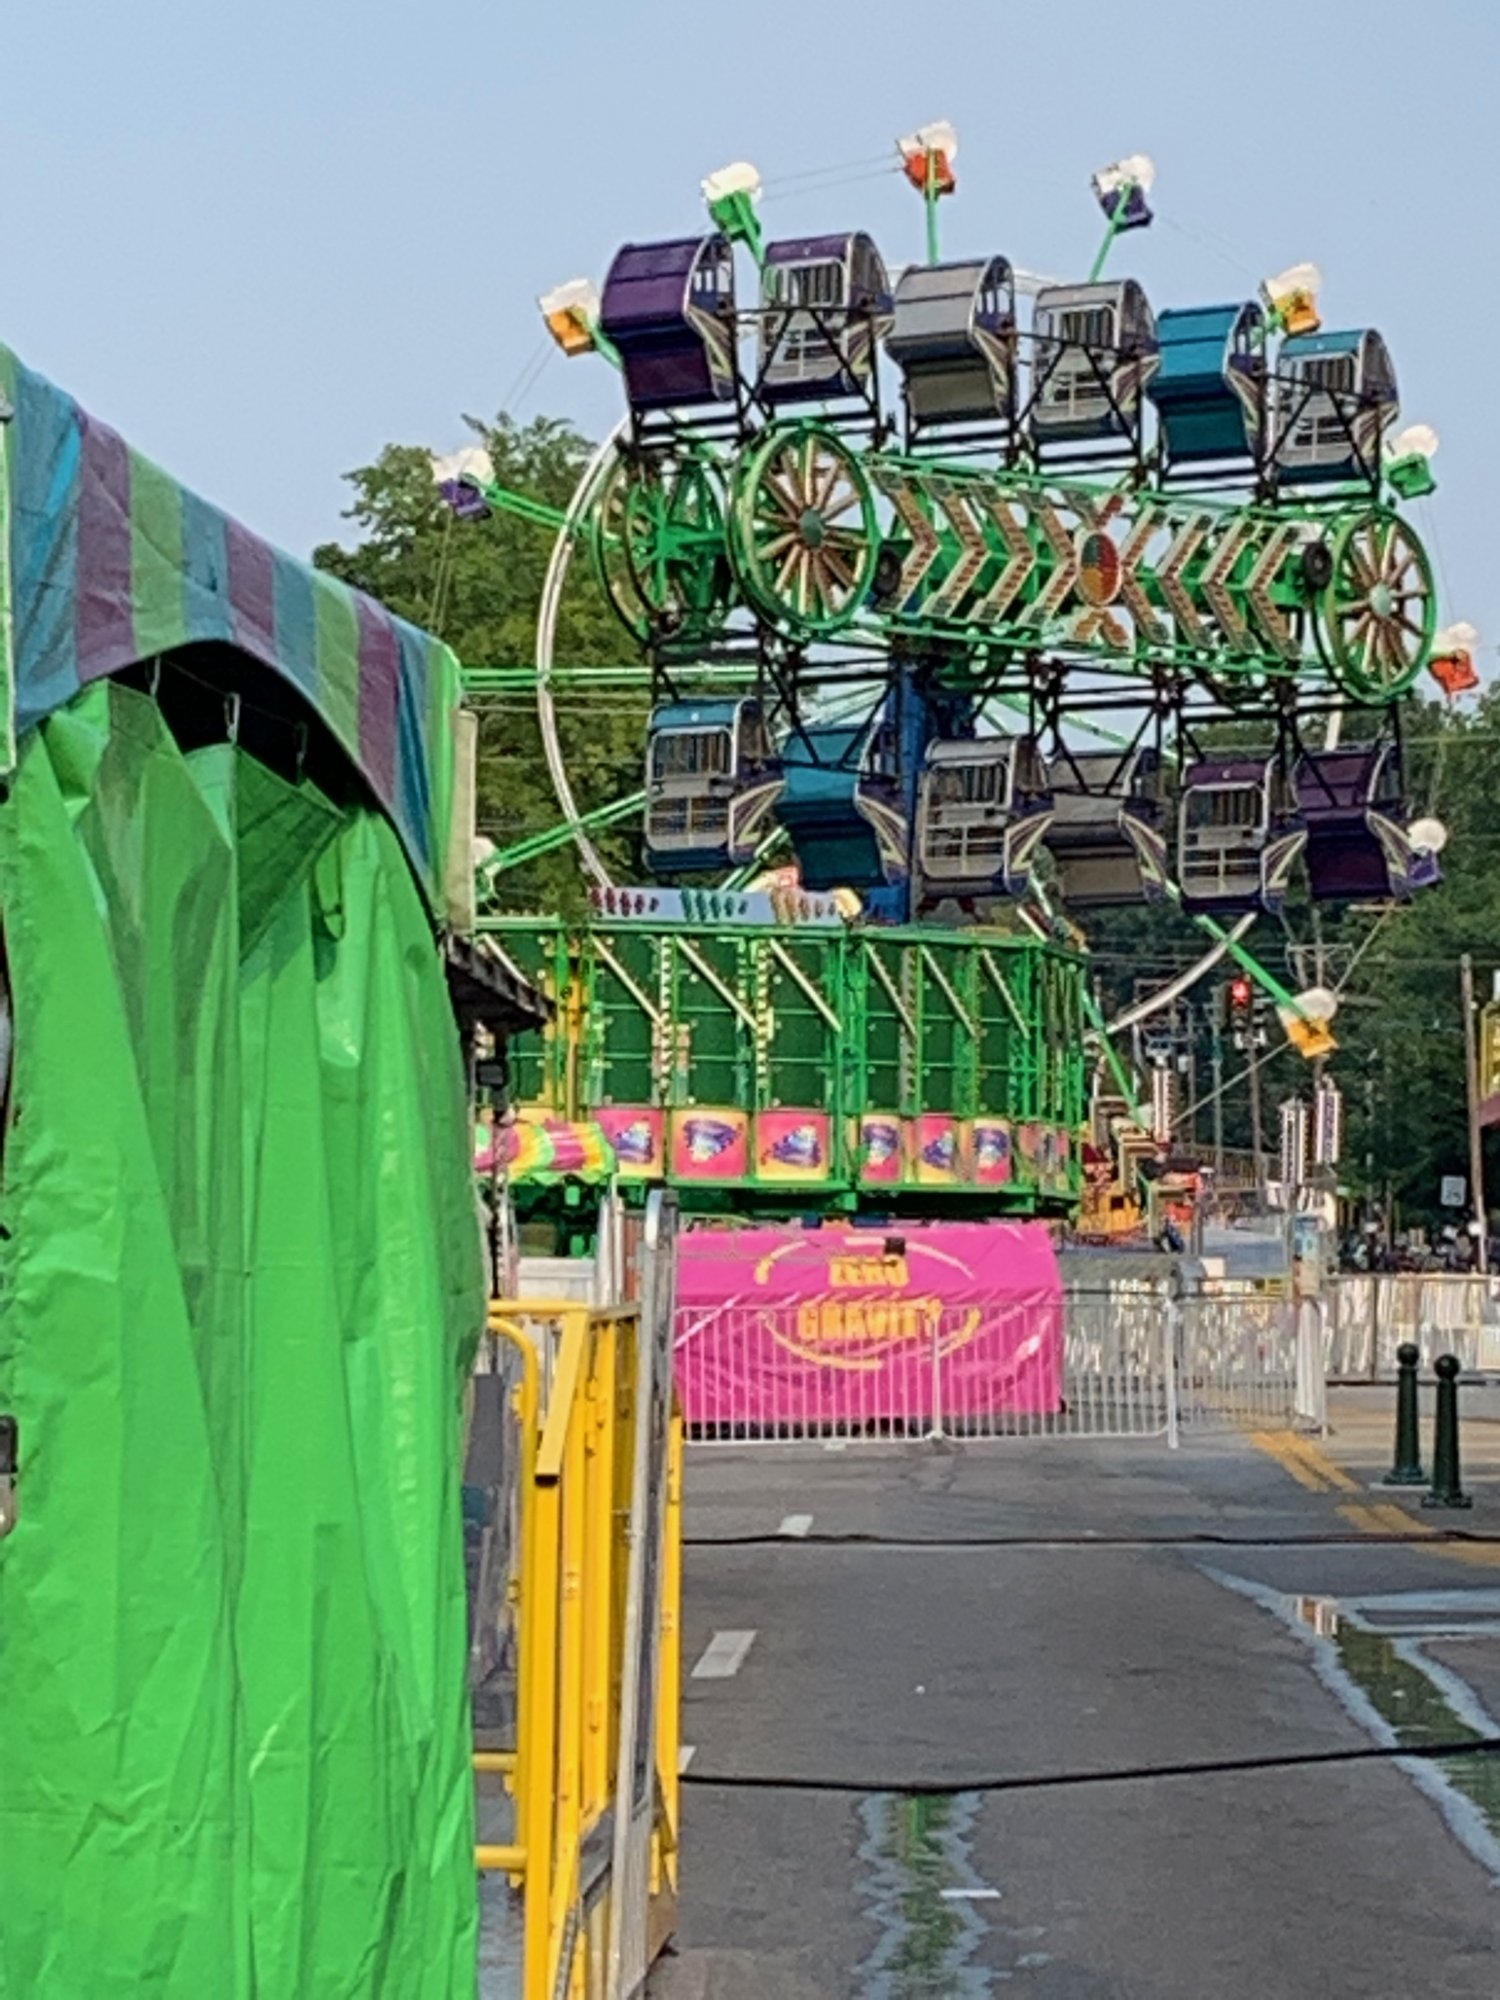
(785, 1327)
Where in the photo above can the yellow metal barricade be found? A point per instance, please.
(580, 1429)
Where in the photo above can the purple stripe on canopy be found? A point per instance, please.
(252, 592)
(379, 694)
(104, 620)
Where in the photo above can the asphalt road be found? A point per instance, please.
(1100, 1635)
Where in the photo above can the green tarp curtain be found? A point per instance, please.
(239, 1283)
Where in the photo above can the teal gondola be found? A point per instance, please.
(842, 805)
(1209, 389)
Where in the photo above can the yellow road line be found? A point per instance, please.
(1320, 1462)
(1314, 1470)
(1396, 1520)
(1366, 1519)
(1309, 1468)
(1386, 1518)
(1274, 1446)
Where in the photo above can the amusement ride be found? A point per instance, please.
(941, 583)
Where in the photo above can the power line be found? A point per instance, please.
(1125, 1774)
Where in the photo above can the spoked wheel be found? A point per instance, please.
(804, 537)
(672, 523)
(1378, 611)
(607, 546)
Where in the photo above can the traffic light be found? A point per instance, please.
(1239, 1008)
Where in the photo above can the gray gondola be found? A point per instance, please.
(712, 779)
(1239, 835)
(953, 336)
(1093, 351)
(1335, 398)
(1107, 838)
(983, 810)
(825, 303)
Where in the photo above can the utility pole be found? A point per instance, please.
(1476, 1140)
(1255, 1128)
(1217, 1064)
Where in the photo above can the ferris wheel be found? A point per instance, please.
(939, 585)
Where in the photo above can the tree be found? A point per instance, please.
(1401, 1054)
(477, 584)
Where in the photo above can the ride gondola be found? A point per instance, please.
(712, 779)
(825, 302)
(1209, 390)
(953, 337)
(1239, 835)
(668, 309)
(983, 809)
(1335, 399)
(1094, 349)
(1106, 836)
(843, 805)
(1359, 829)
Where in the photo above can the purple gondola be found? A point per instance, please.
(825, 302)
(1358, 844)
(668, 309)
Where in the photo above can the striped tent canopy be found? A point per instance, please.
(109, 562)
(543, 1150)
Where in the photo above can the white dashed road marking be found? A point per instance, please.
(795, 1524)
(723, 1655)
(686, 1755)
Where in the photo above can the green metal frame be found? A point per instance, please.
(990, 566)
(7, 624)
(843, 1022)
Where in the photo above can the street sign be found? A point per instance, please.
(1293, 1142)
(1451, 1193)
(1328, 1123)
(1489, 1050)
(1489, 1093)
(1309, 1038)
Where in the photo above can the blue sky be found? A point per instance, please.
(264, 240)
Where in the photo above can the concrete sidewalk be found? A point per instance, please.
(1362, 1435)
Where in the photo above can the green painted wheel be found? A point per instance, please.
(672, 526)
(803, 530)
(607, 551)
(1378, 611)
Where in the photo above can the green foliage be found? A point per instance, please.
(478, 584)
(1401, 1043)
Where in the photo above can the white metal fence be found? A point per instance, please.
(1130, 1361)
(1369, 1318)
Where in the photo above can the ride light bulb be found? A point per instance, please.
(1291, 298)
(572, 313)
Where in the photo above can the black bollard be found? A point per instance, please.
(1446, 1490)
(1407, 1470)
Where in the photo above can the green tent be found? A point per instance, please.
(240, 1271)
